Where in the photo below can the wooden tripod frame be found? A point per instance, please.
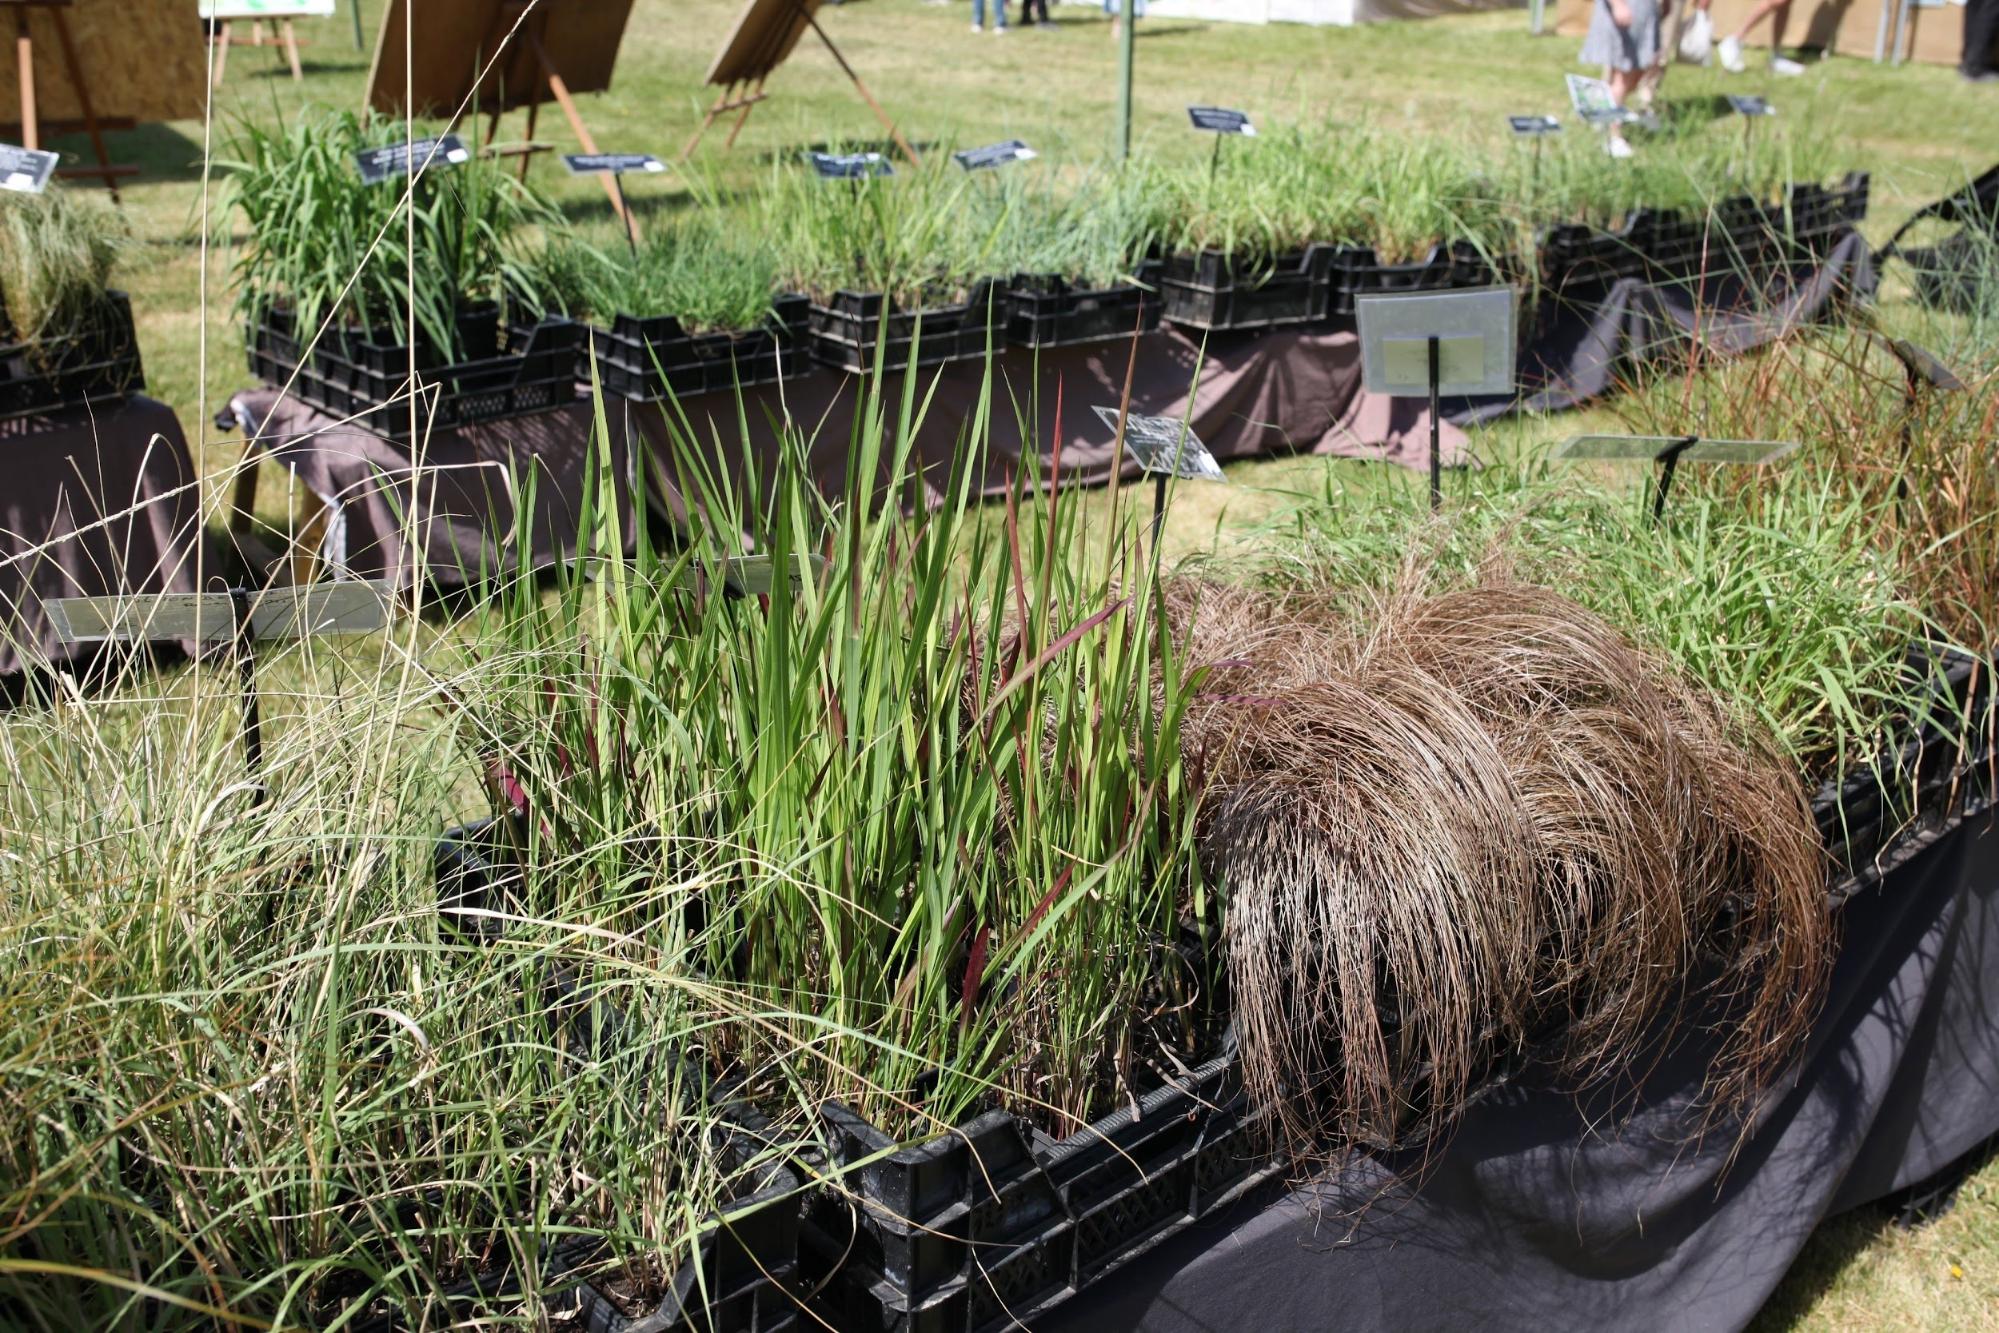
(529, 33)
(32, 124)
(743, 95)
(284, 36)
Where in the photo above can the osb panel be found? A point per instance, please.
(143, 59)
(448, 41)
(764, 35)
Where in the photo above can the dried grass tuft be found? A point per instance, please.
(1479, 824)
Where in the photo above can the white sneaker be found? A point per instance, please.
(1789, 69)
(1729, 53)
(1697, 39)
(1619, 147)
(978, 27)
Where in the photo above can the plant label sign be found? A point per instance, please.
(994, 155)
(1164, 446)
(1528, 127)
(1221, 120)
(348, 606)
(616, 164)
(1742, 104)
(1592, 100)
(26, 170)
(849, 166)
(403, 159)
(1472, 329)
(1683, 448)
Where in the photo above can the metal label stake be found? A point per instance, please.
(1669, 451)
(237, 619)
(1164, 448)
(1428, 344)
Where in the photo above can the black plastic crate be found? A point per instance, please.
(1929, 772)
(351, 375)
(651, 358)
(853, 328)
(1449, 266)
(94, 364)
(1813, 210)
(1212, 291)
(1045, 310)
(970, 1231)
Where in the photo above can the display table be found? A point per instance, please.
(1539, 1215)
(97, 501)
(449, 506)
(1253, 396)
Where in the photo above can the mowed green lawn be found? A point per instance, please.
(1918, 129)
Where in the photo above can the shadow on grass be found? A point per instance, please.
(161, 153)
(1837, 1243)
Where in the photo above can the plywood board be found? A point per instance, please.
(762, 39)
(1936, 33)
(144, 60)
(437, 51)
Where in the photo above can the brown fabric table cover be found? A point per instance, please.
(96, 501)
(1253, 395)
(459, 491)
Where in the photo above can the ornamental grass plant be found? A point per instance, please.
(253, 1079)
(397, 260)
(57, 251)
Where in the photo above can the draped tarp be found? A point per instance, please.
(1618, 1213)
(96, 501)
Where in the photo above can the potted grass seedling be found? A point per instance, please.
(68, 338)
(1081, 256)
(898, 268)
(337, 309)
(694, 310)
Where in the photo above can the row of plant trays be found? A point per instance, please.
(97, 362)
(994, 1223)
(365, 376)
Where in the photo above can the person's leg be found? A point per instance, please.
(1981, 31)
(1730, 48)
(1623, 83)
(978, 15)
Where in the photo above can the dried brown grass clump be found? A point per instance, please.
(1479, 823)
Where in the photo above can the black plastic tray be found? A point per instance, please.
(651, 358)
(1044, 310)
(352, 375)
(852, 329)
(987, 1226)
(97, 364)
(1211, 291)
(1449, 266)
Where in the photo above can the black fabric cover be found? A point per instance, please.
(1577, 350)
(1540, 1214)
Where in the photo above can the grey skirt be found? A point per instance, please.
(1635, 47)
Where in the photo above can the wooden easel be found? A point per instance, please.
(31, 121)
(285, 36)
(529, 35)
(743, 95)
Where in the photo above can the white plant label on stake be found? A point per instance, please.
(849, 166)
(994, 155)
(1593, 102)
(1164, 446)
(266, 9)
(1221, 120)
(616, 164)
(1742, 104)
(1529, 126)
(342, 607)
(403, 159)
(26, 170)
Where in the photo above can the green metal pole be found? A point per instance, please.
(1127, 41)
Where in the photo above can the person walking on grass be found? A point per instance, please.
(1624, 39)
(979, 16)
(1034, 13)
(1729, 49)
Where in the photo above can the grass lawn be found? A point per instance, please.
(1918, 129)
